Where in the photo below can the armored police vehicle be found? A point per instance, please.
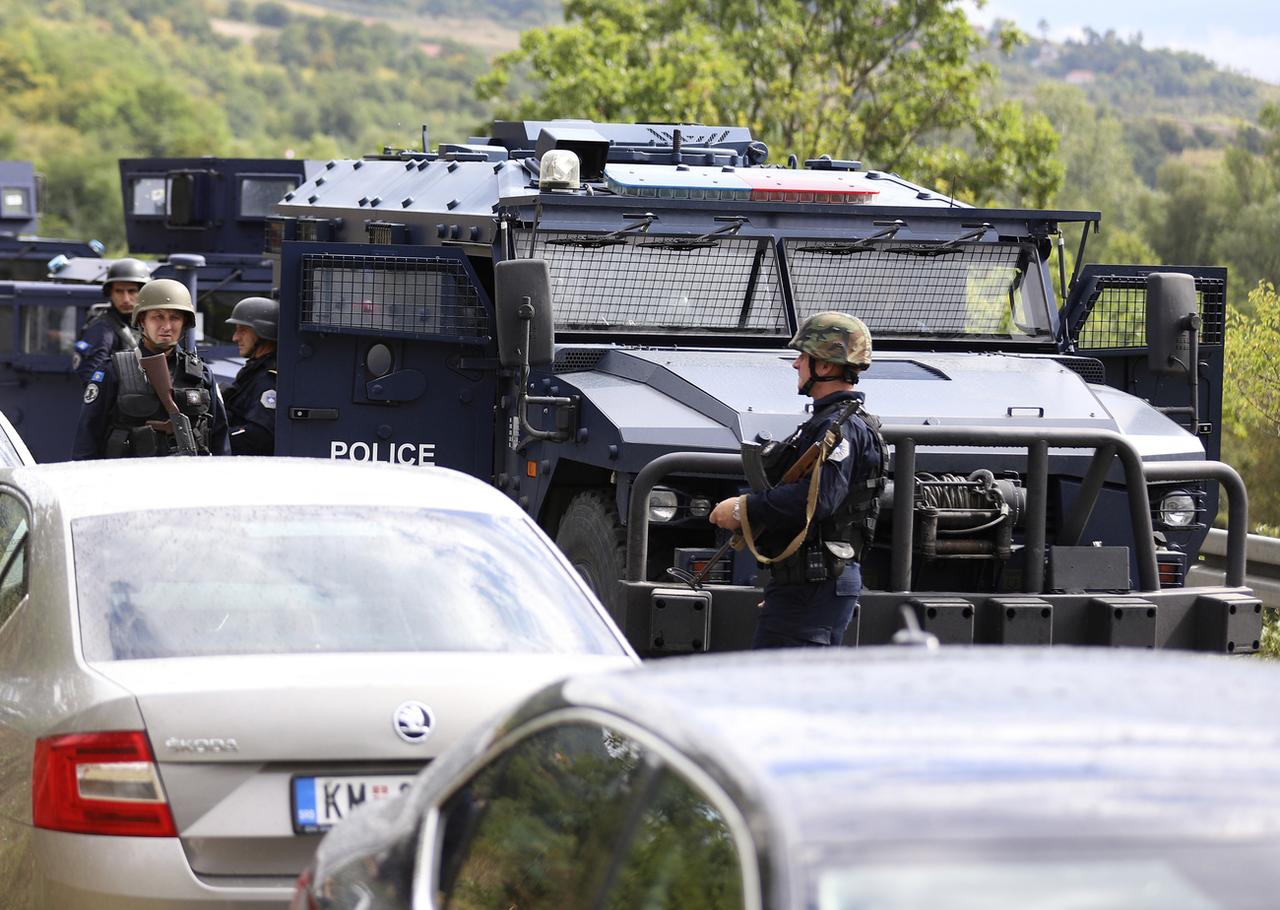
(202, 219)
(214, 207)
(595, 317)
(23, 254)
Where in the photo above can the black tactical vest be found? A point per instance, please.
(847, 532)
(137, 403)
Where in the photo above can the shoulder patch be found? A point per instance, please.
(97, 376)
(840, 452)
(269, 399)
(91, 392)
(82, 345)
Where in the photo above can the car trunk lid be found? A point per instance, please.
(232, 734)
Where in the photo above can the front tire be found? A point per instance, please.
(593, 538)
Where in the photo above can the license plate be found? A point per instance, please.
(319, 803)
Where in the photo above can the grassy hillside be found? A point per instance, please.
(86, 82)
(1167, 102)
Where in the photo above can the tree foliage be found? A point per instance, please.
(87, 82)
(896, 83)
(1251, 400)
(1253, 370)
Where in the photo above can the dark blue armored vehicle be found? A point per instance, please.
(201, 218)
(215, 207)
(24, 254)
(603, 335)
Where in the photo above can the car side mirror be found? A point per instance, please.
(1172, 311)
(522, 291)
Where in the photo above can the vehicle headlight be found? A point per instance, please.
(1177, 509)
(700, 507)
(663, 504)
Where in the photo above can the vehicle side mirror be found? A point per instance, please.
(522, 288)
(1171, 310)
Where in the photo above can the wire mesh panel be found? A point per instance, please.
(389, 295)
(903, 288)
(644, 283)
(1117, 312)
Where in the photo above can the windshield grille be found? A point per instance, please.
(639, 283)
(390, 295)
(926, 289)
(1117, 312)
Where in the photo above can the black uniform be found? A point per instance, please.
(105, 333)
(114, 416)
(251, 407)
(811, 596)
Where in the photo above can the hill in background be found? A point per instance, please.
(1167, 102)
(89, 81)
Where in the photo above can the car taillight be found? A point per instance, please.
(99, 783)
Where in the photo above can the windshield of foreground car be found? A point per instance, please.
(1122, 876)
(273, 580)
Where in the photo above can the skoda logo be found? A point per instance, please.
(413, 722)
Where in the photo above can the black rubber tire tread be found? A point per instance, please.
(595, 541)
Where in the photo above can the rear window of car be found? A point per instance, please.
(214, 581)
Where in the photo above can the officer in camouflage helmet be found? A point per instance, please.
(810, 533)
(109, 329)
(122, 416)
(251, 399)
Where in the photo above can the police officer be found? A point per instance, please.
(122, 415)
(812, 538)
(109, 330)
(251, 399)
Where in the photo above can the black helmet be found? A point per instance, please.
(134, 271)
(262, 314)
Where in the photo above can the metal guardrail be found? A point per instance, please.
(1262, 565)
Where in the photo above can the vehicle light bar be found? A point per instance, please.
(99, 783)
(650, 181)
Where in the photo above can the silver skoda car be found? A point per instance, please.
(205, 664)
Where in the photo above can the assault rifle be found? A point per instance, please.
(179, 424)
(753, 463)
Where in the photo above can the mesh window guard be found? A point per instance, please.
(936, 290)
(389, 295)
(645, 283)
(1117, 313)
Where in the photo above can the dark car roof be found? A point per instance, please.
(845, 745)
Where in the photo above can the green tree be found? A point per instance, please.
(897, 83)
(1099, 173)
(1251, 400)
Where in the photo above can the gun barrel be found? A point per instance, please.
(156, 367)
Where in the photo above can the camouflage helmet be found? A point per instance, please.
(835, 337)
(165, 294)
(133, 271)
(262, 314)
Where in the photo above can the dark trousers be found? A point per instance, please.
(808, 615)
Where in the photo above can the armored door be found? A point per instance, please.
(39, 392)
(1105, 318)
(386, 355)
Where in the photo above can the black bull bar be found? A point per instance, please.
(663, 617)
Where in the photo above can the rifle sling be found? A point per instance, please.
(829, 441)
